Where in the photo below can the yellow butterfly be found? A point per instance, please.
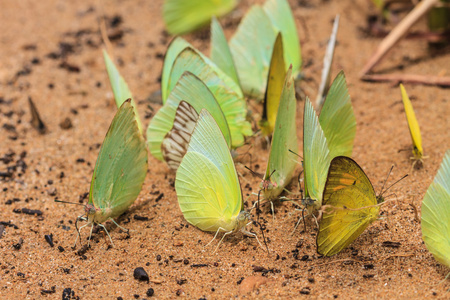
(349, 206)
(413, 127)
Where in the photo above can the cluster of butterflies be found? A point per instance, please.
(204, 117)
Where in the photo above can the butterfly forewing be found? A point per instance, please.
(207, 185)
(316, 158)
(337, 119)
(174, 145)
(121, 165)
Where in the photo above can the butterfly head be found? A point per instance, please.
(241, 220)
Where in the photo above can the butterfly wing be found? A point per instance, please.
(282, 162)
(174, 145)
(316, 158)
(183, 16)
(119, 86)
(224, 89)
(177, 45)
(192, 90)
(220, 51)
(327, 62)
(436, 214)
(413, 125)
(348, 189)
(282, 19)
(337, 119)
(275, 83)
(206, 183)
(121, 165)
(252, 59)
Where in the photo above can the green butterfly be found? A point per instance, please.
(326, 137)
(282, 162)
(183, 16)
(221, 60)
(119, 171)
(251, 46)
(207, 184)
(436, 214)
(119, 86)
(224, 89)
(192, 90)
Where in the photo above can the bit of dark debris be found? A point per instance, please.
(140, 218)
(49, 239)
(391, 244)
(199, 265)
(28, 211)
(51, 291)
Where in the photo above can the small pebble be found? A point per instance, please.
(49, 239)
(140, 274)
(61, 249)
(150, 292)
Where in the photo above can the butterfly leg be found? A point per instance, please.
(224, 235)
(78, 230)
(90, 235)
(217, 232)
(299, 220)
(104, 228)
(252, 235)
(124, 229)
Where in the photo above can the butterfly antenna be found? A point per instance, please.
(67, 202)
(254, 173)
(295, 153)
(384, 183)
(394, 184)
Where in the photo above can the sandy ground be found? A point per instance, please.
(51, 51)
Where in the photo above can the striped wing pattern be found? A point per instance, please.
(175, 143)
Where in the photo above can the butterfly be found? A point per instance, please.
(413, 125)
(119, 172)
(181, 57)
(206, 182)
(327, 62)
(275, 83)
(349, 206)
(325, 137)
(436, 214)
(119, 86)
(261, 26)
(281, 164)
(182, 16)
(193, 91)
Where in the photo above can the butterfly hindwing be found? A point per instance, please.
(174, 145)
(121, 166)
(347, 191)
(435, 222)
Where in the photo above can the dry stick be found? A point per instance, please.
(397, 33)
(409, 78)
